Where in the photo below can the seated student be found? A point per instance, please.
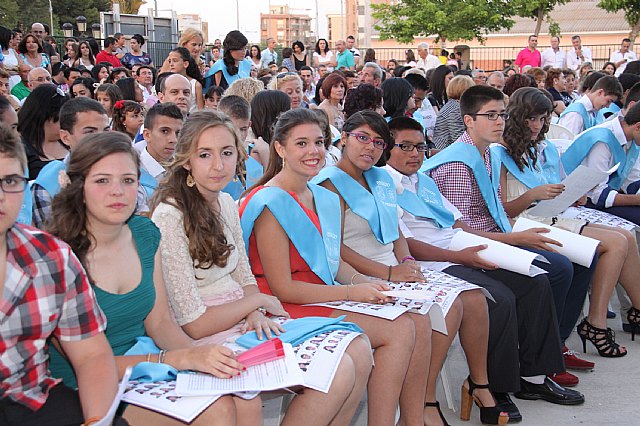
(128, 118)
(521, 302)
(284, 213)
(614, 141)
(467, 175)
(531, 172)
(239, 111)
(378, 249)
(44, 283)
(581, 114)
(161, 129)
(94, 213)
(212, 292)
(78, 118)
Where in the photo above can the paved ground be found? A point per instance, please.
(612, 391)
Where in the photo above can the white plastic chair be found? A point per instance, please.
(556, 131)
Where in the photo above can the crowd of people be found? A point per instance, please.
(231, 188)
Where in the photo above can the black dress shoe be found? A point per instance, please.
(549, 391)
(504, 403)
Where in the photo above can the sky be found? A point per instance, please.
(221, 14)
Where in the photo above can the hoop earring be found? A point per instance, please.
(190, 181)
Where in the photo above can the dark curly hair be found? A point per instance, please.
(363, 97)
(524, 103)
(517, 81)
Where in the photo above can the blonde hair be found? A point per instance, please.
(458, 85)
(189, 34)
(245, 88)
(275, 81)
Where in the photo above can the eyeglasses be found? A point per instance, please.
(13, 184)
(366, 140)
(423, 147)
(493, 116)
(42, 79)
(284, 74)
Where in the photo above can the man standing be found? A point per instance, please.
(578, 55)
(344, 58)
(530, 55)
(351, 41)
(623, 56)
(38, 30)
(269, 54)
(144, 76)
(426, 60)
(109, 53)
(121, 49)
(553, 56)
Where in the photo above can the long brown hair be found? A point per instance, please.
(207, 243)
(68, 210)
(524, 103)
(287, 121)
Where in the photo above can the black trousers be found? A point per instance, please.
(523, 330)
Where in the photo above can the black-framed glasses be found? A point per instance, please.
(408, 147)
(13, 184)
(366, 140)
(493, 116)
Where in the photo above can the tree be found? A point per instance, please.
(33, 11)
(9, 13)
(540, 11)
(446, 19)
(631, 10)
(130, 6)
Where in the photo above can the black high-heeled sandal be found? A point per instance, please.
(437, 405)
(604, 340)
(488, 415)
(633, 316)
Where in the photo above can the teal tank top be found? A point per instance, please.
(125, 312)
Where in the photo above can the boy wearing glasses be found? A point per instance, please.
(45, 294)
(468, 177)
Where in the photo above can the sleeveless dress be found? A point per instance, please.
(300, 270)
(126, 312)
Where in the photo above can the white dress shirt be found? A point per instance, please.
(431, 61)
(600, 158)
(421, 229)
(574, 62)
(573, 120)
(617, 56)
(557, 59)
(150, 164)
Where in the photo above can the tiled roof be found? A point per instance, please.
(575, 17)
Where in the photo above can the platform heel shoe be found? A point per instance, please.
(633, 316)
(488, 415)
(603, 339)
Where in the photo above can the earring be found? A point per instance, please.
(283, 162)
(190, 181)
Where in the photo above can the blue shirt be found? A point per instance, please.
(345, 59)
(267, 57)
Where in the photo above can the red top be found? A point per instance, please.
(300, 270)
(104, 56)
(527, 57)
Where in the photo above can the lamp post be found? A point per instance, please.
(81, 21)
(96, 31)
(67, 30)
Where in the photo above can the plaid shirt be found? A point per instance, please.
(46, 293)
(458, 185)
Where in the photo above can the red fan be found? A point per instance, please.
(264, 352)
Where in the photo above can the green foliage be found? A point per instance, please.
(32, 11)
(539, 10)
(447, 19)
(130, 6)
(69, 10)
(9, 13)
(631, 9)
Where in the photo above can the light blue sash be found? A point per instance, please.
(378, 207)
(601, 118)
(528, 177)
(149, 371)
(254, 173)
(48, 176)
(148, 182)
(587, 120)
(583, 144)
(488, 185)
(320, 251)
(244, 71)
(25, 216)
(551, 166)
(427, 203)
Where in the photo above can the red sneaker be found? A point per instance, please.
(565, 379)
(572, 362)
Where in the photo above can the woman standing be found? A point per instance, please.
(10, 61)
(255, 56)
(323, 55)
(86, 57)
(334, 90)
(136, 55)
(232, 65)
(31, 53)
(300, 58)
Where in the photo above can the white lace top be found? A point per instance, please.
(187, 286)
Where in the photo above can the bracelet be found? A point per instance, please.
(354, 275)
(404, 259)
(389, 276)
(161, 356)
(90, 421)
(149, 357)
